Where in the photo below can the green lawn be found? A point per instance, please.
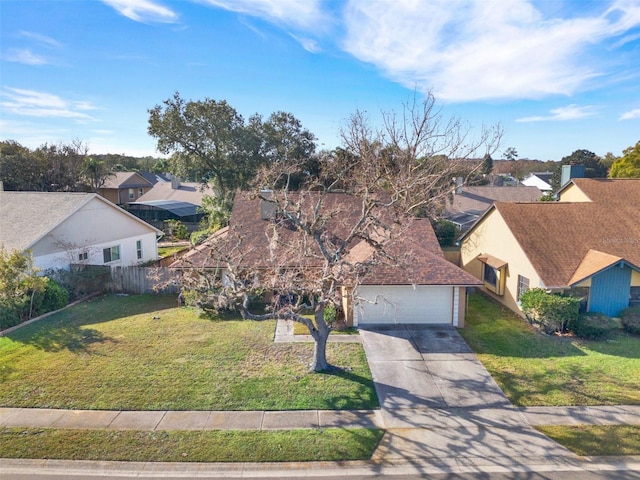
(536, 369)
(164, 252)
(189, 446)
(145, 353)
(597, 439)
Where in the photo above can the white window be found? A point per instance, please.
(140, 192)
(111, 254)
(132, 194)
(82, 256)
(139, 248)
(523, 285)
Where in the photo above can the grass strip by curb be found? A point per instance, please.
(330, 444)
(596, 440)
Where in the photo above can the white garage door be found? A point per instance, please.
(404, 304)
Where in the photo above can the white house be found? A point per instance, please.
(542, 180)
(67, 228)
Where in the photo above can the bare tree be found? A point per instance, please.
(313, 247)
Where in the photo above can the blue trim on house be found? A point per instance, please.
(611, 290)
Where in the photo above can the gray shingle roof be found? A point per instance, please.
(25, 217)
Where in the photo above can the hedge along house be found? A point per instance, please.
(587, 245)
(423, 288)
(60, 229)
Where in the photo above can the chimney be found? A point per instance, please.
(175, 183)
(267, 207)
(571, 171)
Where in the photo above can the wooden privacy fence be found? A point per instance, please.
(136, 280)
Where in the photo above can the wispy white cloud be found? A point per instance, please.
(309, 44)
(144, 11)
(41, 39)
(307, 13)
(631, 114)
(25, 56)
(42, 104)
(570, 112)
(467, 50)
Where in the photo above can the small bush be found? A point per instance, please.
(553, 313)
(177, 229)
(8, 317)
(631, 320)
(199, 236)
(54, 297)
(446, 232)
(594, 326)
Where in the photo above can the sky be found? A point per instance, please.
(556, 75)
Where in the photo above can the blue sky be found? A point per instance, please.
(557, 75)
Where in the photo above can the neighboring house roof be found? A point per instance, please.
(185, 192)
(568, 242)
(421, 258)
(622, 191)
(26, 217)
(154, 178)
(126, 180)
(181, 209)
(542, 180)
(480, 198)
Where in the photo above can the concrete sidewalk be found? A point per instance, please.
(189, 420)
(418, 418)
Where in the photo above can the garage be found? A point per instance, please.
(391, 304)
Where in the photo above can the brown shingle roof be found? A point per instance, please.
(126, 180)
(422, 259)
(557, 237)
(480, 198)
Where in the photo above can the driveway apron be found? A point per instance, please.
(438, 401)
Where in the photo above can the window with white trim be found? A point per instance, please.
(111, 254)
(139, 249)
(132, 194)
(523, 285)
(82, 256)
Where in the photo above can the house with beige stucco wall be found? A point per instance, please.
(587, 244)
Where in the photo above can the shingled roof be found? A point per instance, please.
(568, 242)
(480, 198)
(423, 261)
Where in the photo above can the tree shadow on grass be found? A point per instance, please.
(69, 337)
(619, 344)
(67, 330)
(365, 398)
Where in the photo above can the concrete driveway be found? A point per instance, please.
(438, 400)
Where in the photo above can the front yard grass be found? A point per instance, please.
(592, 440)
(537, 369)
(191, 446)
(146, 353)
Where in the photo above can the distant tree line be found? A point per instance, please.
(62, 167)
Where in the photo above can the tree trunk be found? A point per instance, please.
(320, 335)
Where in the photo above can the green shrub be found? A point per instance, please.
(594, 326)
(446, 232)
(199, 236)
(177, 229)
(54, 297)
(8, 317)
(631, 320)
(552, 312)
(330, 314)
